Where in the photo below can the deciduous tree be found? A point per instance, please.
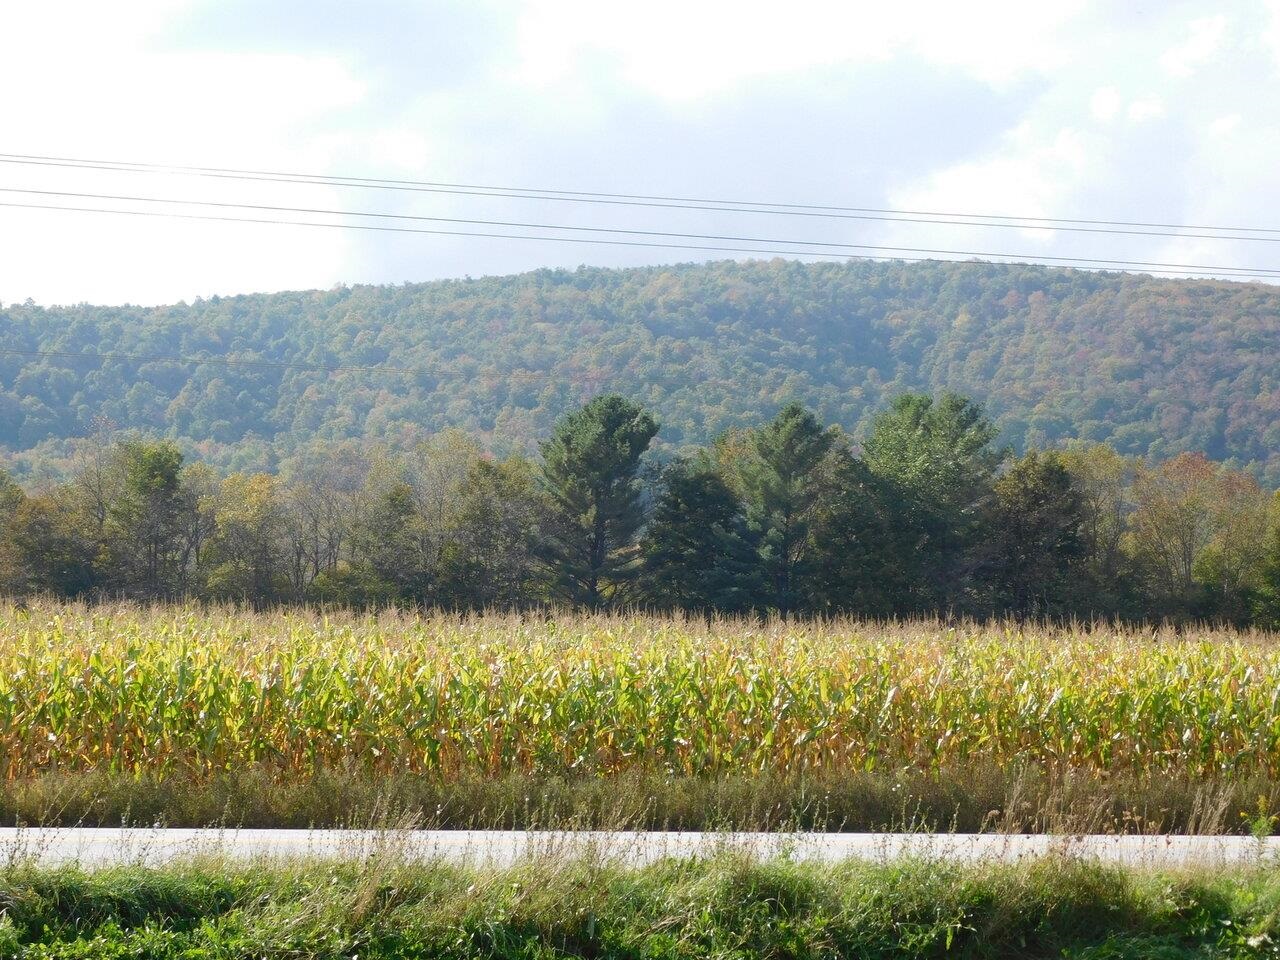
(489, 560)
(246, 559)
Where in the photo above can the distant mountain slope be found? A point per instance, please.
(1151, 365)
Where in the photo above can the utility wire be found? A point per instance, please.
(1251, 271)
(320, 177)
(716, 248)
(796, 210)
(451, 233)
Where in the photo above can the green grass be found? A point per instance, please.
(725, 907)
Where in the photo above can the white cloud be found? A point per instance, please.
(111, 93)
(680, 50)
(1232, 187)
(1028, 175)
(1146, 108)
(1036, 109)
(1105, 104)
(1224, 125)
(1204, 41)
(1271, 34)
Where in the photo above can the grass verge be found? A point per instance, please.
(723, 907)
(967, 799)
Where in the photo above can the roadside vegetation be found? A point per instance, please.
(726, 907)
(980, 799)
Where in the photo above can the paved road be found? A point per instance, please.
(97, 847)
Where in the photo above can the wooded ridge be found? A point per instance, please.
(1153, 367)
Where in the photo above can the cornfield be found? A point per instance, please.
(198, 691)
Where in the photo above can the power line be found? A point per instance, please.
(1206, 268)
(1238, 273)
(796, 210)
(450, 233)
(321, 177)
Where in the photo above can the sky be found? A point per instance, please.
(1151, 111)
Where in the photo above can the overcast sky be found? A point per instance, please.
(1165, 112)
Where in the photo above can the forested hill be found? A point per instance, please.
(1153, 366)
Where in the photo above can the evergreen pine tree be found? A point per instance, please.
(697, 553)
(938, 455)
(857, 565)
(589, 473)
(783, 481)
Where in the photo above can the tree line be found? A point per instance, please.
(927, 515)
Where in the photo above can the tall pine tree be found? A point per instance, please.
(143, 525)
(589, 473)
(783, 479)
(857, 563)
(697, 553)
(938, 454)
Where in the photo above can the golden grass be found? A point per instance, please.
(198, 691)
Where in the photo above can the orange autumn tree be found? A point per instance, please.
(1197, 534)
